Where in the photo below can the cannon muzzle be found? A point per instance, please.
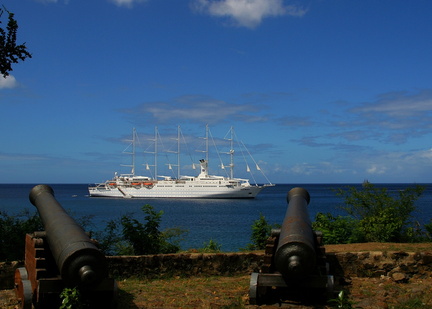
(295, 254)
(77, 258)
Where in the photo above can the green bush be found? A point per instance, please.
(70, 299)
(261, 231)
(211, 247)
(12, 233)
(428, 228)
(124, 236)
(336, 230)
(129, 236)
(380, 215)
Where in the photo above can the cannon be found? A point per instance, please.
(294, 260)
(62, 256)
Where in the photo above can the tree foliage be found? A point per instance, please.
(374, 215)
(129, 236)
(124, 236)
(211, 247)
(10, 52)
(12, 233)
(336, 229)
(261, 231)
(13, 229)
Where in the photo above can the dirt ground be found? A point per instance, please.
(232, 292)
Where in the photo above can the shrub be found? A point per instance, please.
(12, 233)
(129, 236)
(381, 216)
(211, 247)
(261, 231)
(336, 230)
(428, 228)
(70, 299)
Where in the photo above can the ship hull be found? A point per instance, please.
(177, 191)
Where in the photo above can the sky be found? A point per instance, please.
(320, 91)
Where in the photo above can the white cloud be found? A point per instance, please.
(8, 82)
(192, 108)
(374, 169)
(399, 104)
(52, 1)
(319, 168)
(427, 154)
(127, 3)
(248, 13)
(393, 117)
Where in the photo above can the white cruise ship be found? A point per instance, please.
(201, 186)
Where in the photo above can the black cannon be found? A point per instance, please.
(294, 259)
(62, 256)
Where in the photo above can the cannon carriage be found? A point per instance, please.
(62, 256)
(294, 262)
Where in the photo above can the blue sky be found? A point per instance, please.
(321, 91)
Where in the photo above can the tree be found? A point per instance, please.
(13, 229)
(382, 216)
(261, 231)
(336, 229)
(139, 238)
(10, 52)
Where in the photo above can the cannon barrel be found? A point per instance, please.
(77, 258)
(295, 254)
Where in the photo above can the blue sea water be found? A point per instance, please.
(227, 222)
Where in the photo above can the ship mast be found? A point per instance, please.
(132, 153)
(206, 138)
(177, 152)
(231, 153)
(155, 153)
(207, 142)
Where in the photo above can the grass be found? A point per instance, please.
(196, 292)
(232, 293)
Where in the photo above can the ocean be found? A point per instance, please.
(227, 222)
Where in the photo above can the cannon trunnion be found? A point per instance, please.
(61, 256)
(294, 261)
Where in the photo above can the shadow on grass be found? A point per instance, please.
(125, 300)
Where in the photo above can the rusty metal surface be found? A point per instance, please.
(295, 254)
(294, 262)
(78, 260)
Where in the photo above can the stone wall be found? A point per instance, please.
(400, 266)
(193, 264)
